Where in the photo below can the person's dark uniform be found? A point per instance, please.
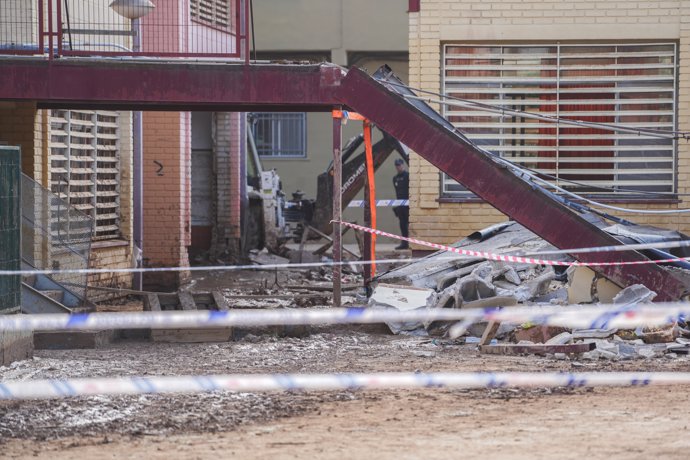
(401, 182)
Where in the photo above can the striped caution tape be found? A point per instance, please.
(508, 258)
(63, 388)
(210, 268)
(576, 316)
(379, 203)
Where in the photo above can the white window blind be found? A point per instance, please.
(280, 134)
(633, 85)
(217, 13)
(85, 165)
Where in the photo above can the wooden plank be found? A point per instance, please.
(223, 334)
(221, 301)
(536, 349)
(151, 303)
(68, 340)
(489, 332)
(187, 301)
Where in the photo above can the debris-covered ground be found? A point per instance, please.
(495, 423)
(391, 424)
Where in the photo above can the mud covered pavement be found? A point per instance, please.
(282, 422)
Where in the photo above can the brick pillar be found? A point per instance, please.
(228, 149)
(167, 196)
(23, 125)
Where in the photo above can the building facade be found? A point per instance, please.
(508, 66)
(358, 33)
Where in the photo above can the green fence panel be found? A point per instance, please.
(10, 228)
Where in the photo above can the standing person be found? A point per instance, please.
(401, 182)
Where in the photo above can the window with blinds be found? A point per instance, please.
(633, 85)
(280, 134)
(85, 165)
(216, 13)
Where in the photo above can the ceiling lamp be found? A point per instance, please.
(132, 9)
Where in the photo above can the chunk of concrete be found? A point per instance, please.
(560, 339)
(586, 286)
(593, 333)
(402, 298)
(637, 293)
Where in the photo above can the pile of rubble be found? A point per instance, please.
(449, 280)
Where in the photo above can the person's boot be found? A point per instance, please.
(403, 245)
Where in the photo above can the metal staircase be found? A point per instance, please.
(55, 236)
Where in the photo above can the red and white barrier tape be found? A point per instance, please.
(508, 258)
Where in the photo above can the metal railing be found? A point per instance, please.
(55, 236)
(171, 29)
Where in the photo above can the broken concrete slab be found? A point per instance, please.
(593, 333)
(403, 299)
(587, 286)
(634, 294)
(560, 339)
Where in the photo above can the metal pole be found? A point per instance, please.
(138, 173)
(370, 200)
(337, 207)
(50, 30)
(246, 32)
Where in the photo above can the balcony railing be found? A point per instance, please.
(173, 29)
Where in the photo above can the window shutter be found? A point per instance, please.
(624, 84)
(85, 165)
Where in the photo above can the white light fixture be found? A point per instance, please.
(132, 9)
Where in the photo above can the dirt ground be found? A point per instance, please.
(499, 423)
(628, 423)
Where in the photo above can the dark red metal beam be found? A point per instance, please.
(169, 85)
(536, 210)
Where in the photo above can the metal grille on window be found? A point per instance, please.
(217, 13)
(633, 85)
(280, 134)
(85, 165)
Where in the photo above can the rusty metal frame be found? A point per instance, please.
(50, 26)
(172, 85)
(435, 140)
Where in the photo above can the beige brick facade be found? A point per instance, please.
(552, 21)
(24, 125)
(167, 195)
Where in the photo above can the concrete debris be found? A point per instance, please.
(664, 334)
(403, 299)
(587, 286)
(633, 295)
(449, 280)
(560, 339)
(593, 333)
(537, 334)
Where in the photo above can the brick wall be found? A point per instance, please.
(227, 147)
(505, 21)
(167, 188)
(21, 124)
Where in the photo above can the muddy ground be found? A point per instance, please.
(496, 423)
(534, 423)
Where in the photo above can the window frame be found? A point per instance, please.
(625, 53)
(277, 121)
